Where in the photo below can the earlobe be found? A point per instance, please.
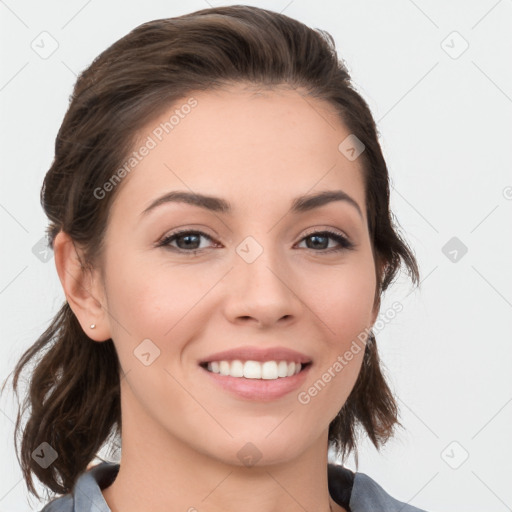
(377, 302)
(82, 287)
(375, 313)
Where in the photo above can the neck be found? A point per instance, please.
(160, 472)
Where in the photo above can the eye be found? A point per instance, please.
(319, 239)
(187, 240)
(190, 241)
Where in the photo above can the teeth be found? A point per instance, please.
(236, 369)
(224, 367)
(282, 369)
(269, 370)
(252, 370)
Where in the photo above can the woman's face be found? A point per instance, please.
(249, 277)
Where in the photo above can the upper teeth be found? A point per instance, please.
(255, 369)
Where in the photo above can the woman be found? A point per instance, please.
(219, 214)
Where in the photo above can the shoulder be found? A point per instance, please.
(62, 504)
(86, 494)
(368, 495)
(360, 493)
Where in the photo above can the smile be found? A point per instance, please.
(267, 370)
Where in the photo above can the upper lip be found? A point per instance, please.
(258, 354)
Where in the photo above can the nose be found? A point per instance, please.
(262, 292)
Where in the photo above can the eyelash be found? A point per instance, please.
(345, 243)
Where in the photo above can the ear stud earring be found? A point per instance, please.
(93, 326)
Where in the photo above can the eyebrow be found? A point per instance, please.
(300, 204)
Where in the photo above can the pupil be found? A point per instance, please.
(188, 237)
(316, 237)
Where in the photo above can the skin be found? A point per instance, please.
(181, 434)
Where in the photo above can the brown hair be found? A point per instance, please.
(74, 388)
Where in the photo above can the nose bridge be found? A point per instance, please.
(262, 280)
(258, 265)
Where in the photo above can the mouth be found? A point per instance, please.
(257, 381)
(257, 370)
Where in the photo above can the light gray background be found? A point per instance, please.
(444, 115)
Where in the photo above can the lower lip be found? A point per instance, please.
(259, 389)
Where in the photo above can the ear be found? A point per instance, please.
(376, 308)
(83, 288)
(375, 313)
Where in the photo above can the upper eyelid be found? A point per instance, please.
(336, 231)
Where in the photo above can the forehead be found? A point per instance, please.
(244, 143)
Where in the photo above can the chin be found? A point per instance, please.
(261, 449)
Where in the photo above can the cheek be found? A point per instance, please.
(150, 301)
(329, 387)
(343, 300)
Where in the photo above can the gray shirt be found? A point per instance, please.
(355, 491)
